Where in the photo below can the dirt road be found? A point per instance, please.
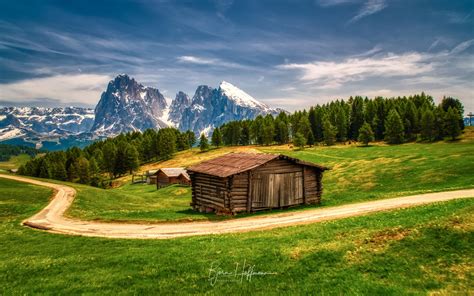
(52, 219)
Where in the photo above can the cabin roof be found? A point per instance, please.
(235, 163)
(173, 172)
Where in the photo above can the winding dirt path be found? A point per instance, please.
(52, 219)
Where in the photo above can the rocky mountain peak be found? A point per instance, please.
(127, 105)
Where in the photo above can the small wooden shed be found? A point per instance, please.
(248, 182)
(150, 176)
(168, 176)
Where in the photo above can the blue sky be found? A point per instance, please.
(289, 54)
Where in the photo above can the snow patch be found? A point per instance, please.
(239, 96)
(7, 133)
(207, 130)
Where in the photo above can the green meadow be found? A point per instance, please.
(417, 251)
(357, 174)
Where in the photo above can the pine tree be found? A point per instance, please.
(457, 106)
(311, 140)
(299, 140)
(166, 142)
(439, 116)
(110, 155)
(341, 124)
(44, 170)
(132, 161)
(94, 172)
(411, 121)
(356, 118)
(394, 128)
(329, 132)
(203, 143)
(428, 128)
(121, 158)
(82, 169)
(191, 138)
(216, 137)
(366, 135)
(268, 130)
(452, 127)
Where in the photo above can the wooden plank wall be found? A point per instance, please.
(310, 185)
(239, 192)
(209, 192)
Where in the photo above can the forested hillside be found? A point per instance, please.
(109, 158)
(395, 120)
(7, 151)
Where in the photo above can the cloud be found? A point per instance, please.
(81, 88)
(208, 61)
(335, 74)
(327, 3)
(462, 47)
(369, 8)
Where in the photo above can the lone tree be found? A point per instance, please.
(216, 137)
(299, 140)
(366, 134)
(203, 143)
(452, 123)
(329, 132)
(394, 128)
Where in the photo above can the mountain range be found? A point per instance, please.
(124, 106)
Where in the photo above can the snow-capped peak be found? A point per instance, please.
(239, 96)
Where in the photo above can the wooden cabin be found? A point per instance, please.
(168, 176)
(238, 182)
(150, 177)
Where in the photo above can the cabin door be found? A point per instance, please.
(277, 190)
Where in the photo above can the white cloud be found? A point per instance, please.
(326, 3)
(81, 88)
(334, 74)
(208, 61)
(369, 8)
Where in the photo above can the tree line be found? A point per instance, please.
(7, 151)
(394, 120)
(112, 157)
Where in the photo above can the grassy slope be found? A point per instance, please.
(358, 174)
(412, 251)
(14, 162)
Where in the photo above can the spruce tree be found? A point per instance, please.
(411, 121)
(216, 138)
(366, 135)
(329, 132)
(110, 155)
(452, 126)
(428, 128)
(203, 143)
(82, 169)
(394, 128)
(356, 119)
(132, 161)
(311, 141)
(268, 130)
(94, 172)
(299, 140)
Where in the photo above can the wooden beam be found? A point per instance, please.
(303, 169)
(249, 192)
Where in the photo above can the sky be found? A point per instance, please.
(289, 54)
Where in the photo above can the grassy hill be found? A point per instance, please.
(14, 162)
(357, 174)
(423, 250)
